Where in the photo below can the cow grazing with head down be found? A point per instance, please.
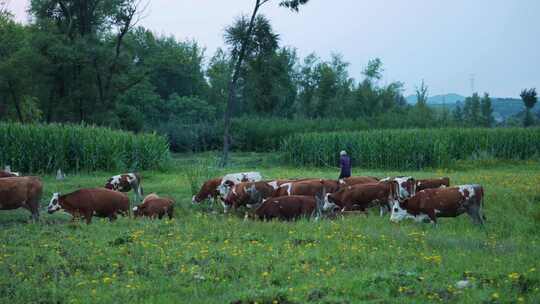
(4, 174)
(208, 190)
(125, 183)
(21, 192)
(244, 194)
(154, 206)
(289, 207)
(432, 183)
(87, 203)
(355, 180)
(229, 180)
(363, 196)
(442, 202)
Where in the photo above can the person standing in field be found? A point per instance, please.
(345, 165)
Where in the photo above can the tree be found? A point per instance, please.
(240, 51)
(422, 115)
(457, 115)
(486, 111)
(529, 98)
(471, 111)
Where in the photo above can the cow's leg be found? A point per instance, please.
(34, 209)
(474, 211)
(112, 217)
(88, 217)
(432, 216)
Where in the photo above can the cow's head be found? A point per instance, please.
(329, 203)
(406, 185)
(138, 210)
(54, 204)
(399, 212)
(113, 183)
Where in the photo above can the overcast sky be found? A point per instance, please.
(443, 42)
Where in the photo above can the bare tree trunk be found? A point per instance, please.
(16, 102)
(232, 86)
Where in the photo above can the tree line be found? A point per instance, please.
(91, 62)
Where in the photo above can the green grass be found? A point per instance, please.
(205, 257)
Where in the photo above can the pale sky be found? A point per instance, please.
(441, 41)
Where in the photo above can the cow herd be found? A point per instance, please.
(287, 199)
(283, 199)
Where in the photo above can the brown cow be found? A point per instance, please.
(25, 192)
(153, 206)
(126, 182)
(289, 207)
(98, 202)
(307, 187)
(4, 174)
(442, 202)
(432, 183)
(208, 190)
(243, 194)
(354, 180)
(363, 196)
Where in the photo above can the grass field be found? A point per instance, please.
(206, 257)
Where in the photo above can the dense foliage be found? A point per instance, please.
(46, 148)
(412, 149)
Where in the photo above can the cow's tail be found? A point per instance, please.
(481, 202)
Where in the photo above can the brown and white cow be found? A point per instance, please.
(98, 202)
(154, 206)
(4, 174)
(354, 180)
(432, 183)
(248, 194)
(229, 180)
(406, 185)
(363, 196)
(442, 202)
(21, 192)
(289, 207)
(310, 187)
(208, 190)
(125, 183)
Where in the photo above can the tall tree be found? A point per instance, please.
(293, 5)
(471, 110)
(529, 97)
(486, 111)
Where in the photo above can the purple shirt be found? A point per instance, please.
(345, 164)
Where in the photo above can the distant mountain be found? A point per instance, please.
(503, 108)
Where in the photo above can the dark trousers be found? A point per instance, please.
(343, 175)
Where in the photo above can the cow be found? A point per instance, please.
(248, 194)
(406, 185)
(125, 183)
(354, 180)
(21, 192)
(98, 202)
(208, 190)
(229, 180)
(363, 196)
(442, 202)
(432, 183)
(289, 207)
(154, 206)
(4, 174)
(307, 187)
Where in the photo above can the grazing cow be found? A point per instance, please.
(442, 202)
(406, 185)
(432, 183)
(363, 196)
(247, 194)
(98, 202)
(154, 206)
(8, 174)
(354, 180)
(289, 207)
(126, 182)
(229, 180)
(307, 187)
(17, 192)
(208, 190)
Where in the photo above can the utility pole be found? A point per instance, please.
(472, 84)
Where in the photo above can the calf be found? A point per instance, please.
(442, 202)
(208, 190)
(354, 180)
(432, 183)
(229, 180)
(363, 196)
(247, 194)
(289, 207)
(21, 192)
(4, 174)
(153, 206)
(126, 182)
(98, 202)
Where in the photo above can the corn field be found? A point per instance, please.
(413, 148)
(46, 148)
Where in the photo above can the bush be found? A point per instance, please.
(45, 148)
(411, 149)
